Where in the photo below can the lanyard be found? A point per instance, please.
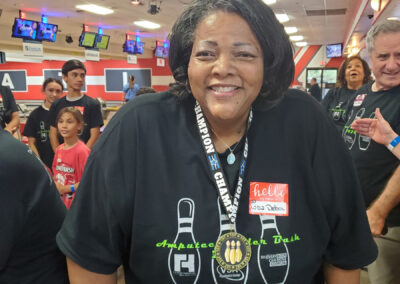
(231, 205)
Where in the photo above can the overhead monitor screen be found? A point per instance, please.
(102, 41)
(130, 46)
(139, 47)
(25, 29)
(334, 50)
(47, 32)
(87, 39)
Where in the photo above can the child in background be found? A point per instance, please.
(37, 127)
(70, 157)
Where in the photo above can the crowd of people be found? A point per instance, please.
(229, 176)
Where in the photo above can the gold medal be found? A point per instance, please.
(232, 251)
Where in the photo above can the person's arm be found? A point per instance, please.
(380, 208)
(80, 275)
(94, 135)
(396, 151)
(63, 189)
(53, 138)
(13, 125)
(335, 275)
(32, 145)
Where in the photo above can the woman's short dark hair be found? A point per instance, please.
(276, 47)
(341, 78)
(51, 80)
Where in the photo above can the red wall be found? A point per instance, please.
(93, 69)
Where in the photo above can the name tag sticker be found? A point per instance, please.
(359, 100)
(269, 199)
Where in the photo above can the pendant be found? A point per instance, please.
(231, 158)
(232, 251)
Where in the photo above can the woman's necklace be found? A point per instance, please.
(231, 157)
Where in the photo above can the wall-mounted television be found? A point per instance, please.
(130, 46)
(139, 47)
(159, 52)
(334, 50)
(25, 29)
(101, 41)
(87, 39)
(47, 32)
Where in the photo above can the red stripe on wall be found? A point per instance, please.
(304, 60)
(298, 51)
(335, 62)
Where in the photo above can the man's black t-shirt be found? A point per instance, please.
(38, 127)
(89, 107)
(374, 162)
(31, 213)
(151, 204)
(7, 105)
(315, 91)
(336, 103)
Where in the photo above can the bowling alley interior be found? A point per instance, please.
(124, 47)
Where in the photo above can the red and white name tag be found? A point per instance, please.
(269, 199)
(359, 100)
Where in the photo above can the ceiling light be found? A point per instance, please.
(135, 2)
(393, 19)
(92, 8)
(301, 43)
(282, 18)
(146, 24)
(290, 30)
(269, 2)
(296, 37)
(375, 4)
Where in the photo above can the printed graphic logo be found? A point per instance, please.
(365, 141)
(230, 275)
(349, 134)
(338, 112)
(273, 261)
(184, 264)
(43, 132)
(213, 162)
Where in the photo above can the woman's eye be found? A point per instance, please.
(204, 54)
(245, 54)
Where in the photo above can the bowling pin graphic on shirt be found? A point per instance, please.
(273, 259)
(220, 275)
(184, 264)
(363, 140)
(350, 134)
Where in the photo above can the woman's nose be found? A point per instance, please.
(223, 65)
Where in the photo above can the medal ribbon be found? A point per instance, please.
(231, 205)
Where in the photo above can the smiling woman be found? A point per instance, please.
(212, 161)
(353, 73)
